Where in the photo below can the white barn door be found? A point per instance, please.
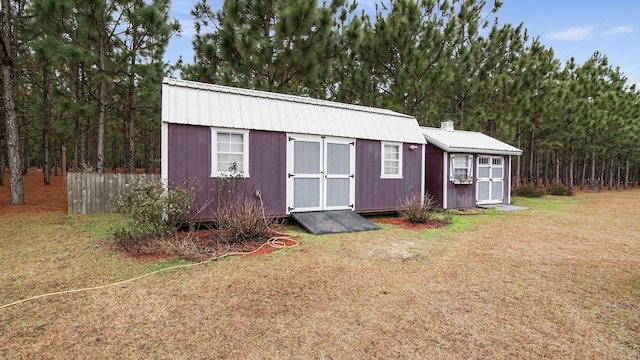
(320, 173)
(339, 178)
(490, 180)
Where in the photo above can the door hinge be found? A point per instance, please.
(290, 175)
(352, 143)
(352, 176)
(291, 138)
(290, 208)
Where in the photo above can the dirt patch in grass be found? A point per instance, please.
(558, 281)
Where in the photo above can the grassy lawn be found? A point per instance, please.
(561, 280)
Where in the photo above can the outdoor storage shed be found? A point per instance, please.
(466, 169)
(300, 154)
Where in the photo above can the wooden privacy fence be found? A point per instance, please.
(91, 193)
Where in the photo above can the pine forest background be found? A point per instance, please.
(86, 75)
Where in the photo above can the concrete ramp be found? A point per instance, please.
(331, 222)
(504, 207)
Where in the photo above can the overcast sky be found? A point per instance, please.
(573, 28)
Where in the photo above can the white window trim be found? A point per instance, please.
(382, 159)
(469, 179)
(215, 172)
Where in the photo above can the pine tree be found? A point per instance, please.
(276, 45)
(143, 43)
(9, 70)
(404, 51)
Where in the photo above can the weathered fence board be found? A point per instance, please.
(91, 193)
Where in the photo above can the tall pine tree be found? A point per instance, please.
(277, 45)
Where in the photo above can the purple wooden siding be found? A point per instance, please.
(268, 169)
(461, 196)
(434, 173)
(189, 159)
(374, 194)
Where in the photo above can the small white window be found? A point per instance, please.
(391, 160)
(461, 171)
(230, 152)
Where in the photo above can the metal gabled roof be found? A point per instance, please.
(458, 141)
(193, 103)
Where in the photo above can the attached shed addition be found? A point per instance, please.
(465, 169)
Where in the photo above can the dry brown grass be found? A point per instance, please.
(559, 281)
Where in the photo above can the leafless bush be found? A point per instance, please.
(240, 218)
(417, 210)
(243, 219)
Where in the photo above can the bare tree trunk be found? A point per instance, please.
(114, 155)
(626, 173)
(2, 154)
(538, 160)
(46, 166)
(147, 152)
(131, 165)
(76, 143)
(584, 174)
(545, 172)
(557, 168)
(9, 59)
(151, 150)
(570, 182)
(55, 160)
(131, 111)
(592, 179)
(611, 170)
(81, 126)
(602, 173)
(619, 174)
(102, 97)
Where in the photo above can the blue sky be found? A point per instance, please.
(573, 28)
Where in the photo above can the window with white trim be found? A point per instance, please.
(230, 152)
(391, 160)
(461, 171)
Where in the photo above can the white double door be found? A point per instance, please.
(490, 180)
(320, 173)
